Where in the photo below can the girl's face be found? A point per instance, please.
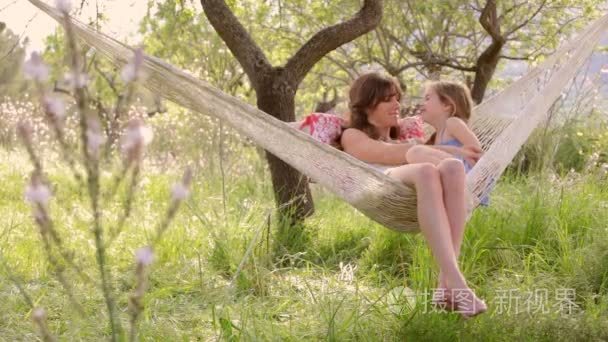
(386, 112)
(432, 109)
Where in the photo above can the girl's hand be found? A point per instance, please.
(471, 154)
(415, 141)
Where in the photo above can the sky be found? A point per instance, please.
(22, 17)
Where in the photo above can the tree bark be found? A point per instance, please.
(486, 67)
(276, 96)
(489, 58)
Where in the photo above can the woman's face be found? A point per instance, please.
(432, 108)
(386, 112)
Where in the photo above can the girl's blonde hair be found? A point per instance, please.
(456, 95)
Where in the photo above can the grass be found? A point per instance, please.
(348, 280)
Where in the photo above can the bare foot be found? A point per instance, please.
(441, 299)
(466, 303)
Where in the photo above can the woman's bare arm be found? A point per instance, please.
(468, 152)
(362, 147)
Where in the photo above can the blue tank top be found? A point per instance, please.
(456, 143)
(485, 201)
(450, 142)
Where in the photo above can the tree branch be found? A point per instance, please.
(489, 20)
(331, 38)
(384, 47)
(245, 50)
(527, 21)
(418, 22)
(455, 66)
(513, 58)
(534, 54)
(350, 69)
(425, 59)
(511, 9)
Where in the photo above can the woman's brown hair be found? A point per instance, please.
(456, 95)
(365, 93)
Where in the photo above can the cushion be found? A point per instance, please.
(327, 128)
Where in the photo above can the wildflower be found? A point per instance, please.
(37, 193)
(35, 69)
(132, 71)
(136, 137)
(64, 6)
(180, 191)
(54, 106)
(94, 141)
(580, 134)
(94, 137)
(144, 256)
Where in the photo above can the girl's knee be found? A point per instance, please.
(420, 176)
(451, 166)
(427, 175)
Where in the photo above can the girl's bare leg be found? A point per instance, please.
(432, 217)
(452, 176)
(435, 226)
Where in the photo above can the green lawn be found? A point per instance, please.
(538, 255)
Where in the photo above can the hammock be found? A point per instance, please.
(503, 123)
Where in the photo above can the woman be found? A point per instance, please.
(374, 109)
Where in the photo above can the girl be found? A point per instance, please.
(447, 107)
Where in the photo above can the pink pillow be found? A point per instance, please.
(327, 128)
(411, 128)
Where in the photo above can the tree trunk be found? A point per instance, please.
(488, 60)
(486, 66)
(276, 96)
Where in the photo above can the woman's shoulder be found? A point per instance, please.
(351, 134)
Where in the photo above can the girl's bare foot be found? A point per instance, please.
(441, 300)
(466, 303)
